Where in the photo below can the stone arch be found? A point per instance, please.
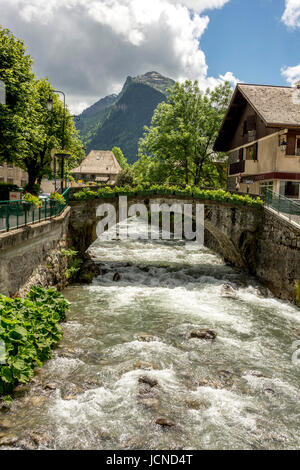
(231, 231)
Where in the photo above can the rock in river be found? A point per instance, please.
(166, 423)
(148, 380)
(145, 365)
(228, 291)
(145, 337)
(204, 333)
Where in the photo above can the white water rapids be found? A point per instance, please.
(240, 391)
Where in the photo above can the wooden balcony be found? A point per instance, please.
(236, 168)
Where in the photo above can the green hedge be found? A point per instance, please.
(164, 190)
(29, 329)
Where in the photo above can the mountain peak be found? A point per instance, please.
(155, 80)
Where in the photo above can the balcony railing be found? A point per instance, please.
(238, 167)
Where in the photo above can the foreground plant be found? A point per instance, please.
(29, 329)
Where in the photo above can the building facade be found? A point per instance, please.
(12, 174)
(100, 166)
(261, 135)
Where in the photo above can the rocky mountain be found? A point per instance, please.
(119, 120)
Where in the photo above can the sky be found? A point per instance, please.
(87, 48)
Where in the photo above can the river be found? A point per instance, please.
(239, 391)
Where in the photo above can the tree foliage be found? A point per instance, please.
(178, 145)
(120, 157)
(28, 131)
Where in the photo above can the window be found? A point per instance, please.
(264, 186)
(1, 179)
(23, 182)
(290, 189)
(9, 165)
(10, 180)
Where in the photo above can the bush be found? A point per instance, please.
(34, 200)
(29, 328)
(189, 191)
(54, 196)
(125, 177)
(36, 188)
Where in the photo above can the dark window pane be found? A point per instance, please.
(298, 147)
(292, 189)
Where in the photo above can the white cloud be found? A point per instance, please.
(201, 5)
(291, 74)
(291, 15)
(88, 47)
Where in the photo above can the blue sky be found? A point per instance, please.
(248, 38)
(87, 48)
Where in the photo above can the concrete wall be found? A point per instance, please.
(31, 255)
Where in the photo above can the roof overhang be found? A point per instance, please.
(230, 121)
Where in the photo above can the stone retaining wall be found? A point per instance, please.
(31, 255)
(278, 255)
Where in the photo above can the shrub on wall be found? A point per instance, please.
(159, 190)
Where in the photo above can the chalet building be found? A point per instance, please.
(261, 135)
(100, 166)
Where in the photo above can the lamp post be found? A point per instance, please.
(49, 106)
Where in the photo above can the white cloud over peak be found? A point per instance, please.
(291, 15)
(291, 74)
(88, 47)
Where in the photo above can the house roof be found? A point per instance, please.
(98, 162)
(277, 106)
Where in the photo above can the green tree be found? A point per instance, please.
(44, 133)
(125, 177)
(178, 145)
(16, 73)
(28, 130)
(120, 157)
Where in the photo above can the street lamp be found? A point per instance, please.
(49, 106)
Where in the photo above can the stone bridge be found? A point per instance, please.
(229, 229)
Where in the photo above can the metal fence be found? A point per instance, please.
(15, 214)
(283, 205)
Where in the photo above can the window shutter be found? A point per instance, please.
(241, 154)
(255, 153)
(291, 144)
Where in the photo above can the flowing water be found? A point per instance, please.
(240, 391)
